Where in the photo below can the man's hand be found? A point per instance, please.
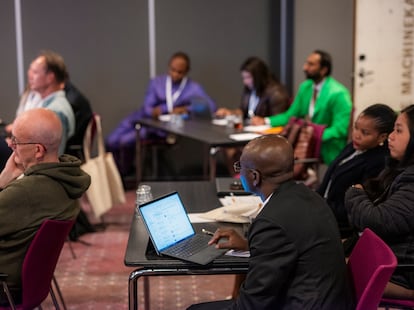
(257, 120)
(180, 110)
(156, 112)
(234, 240)
(223, 112)
(10, 172)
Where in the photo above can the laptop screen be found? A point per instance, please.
(166, 220)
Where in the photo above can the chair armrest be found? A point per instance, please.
(3, 276)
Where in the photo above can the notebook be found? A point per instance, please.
(172, 233)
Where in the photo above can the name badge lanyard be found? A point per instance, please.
(169, 96)
(253, 102)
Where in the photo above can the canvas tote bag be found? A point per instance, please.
(106, 187)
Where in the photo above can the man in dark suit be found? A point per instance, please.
(296, 255)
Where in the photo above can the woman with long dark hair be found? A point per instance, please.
(385, 204)
(263, 95)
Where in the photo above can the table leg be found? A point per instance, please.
(146, 293)
(213, 162)
(133, 290)
(206, 162)
(138, 154)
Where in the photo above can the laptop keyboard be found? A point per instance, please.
(188, 247)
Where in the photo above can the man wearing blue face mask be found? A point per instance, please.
(296, 256)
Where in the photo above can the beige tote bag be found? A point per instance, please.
(106, 187)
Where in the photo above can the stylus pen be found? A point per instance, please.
(207, 232)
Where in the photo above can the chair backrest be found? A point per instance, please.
(83, 112)
(305, 138)
(371, 265)
(40, 261)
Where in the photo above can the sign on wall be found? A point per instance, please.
(384, 53)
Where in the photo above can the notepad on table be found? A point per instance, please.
(235, 209)
(244, 136)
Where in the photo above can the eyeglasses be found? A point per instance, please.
(237, 166)
(14, 143)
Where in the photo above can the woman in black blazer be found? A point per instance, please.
(364, 158)
(263, 95)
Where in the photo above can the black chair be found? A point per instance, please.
(83, 115)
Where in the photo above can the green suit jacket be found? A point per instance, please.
(332, 108)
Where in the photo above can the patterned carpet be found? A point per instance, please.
(98, 279)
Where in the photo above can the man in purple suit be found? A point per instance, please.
(171, 93)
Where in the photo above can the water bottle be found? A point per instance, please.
(177, 120)
(143, 195)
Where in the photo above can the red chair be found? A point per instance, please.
(371, 265)
(396, 303)
(39, 265)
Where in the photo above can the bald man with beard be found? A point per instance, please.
(36, 184)
(296, 256)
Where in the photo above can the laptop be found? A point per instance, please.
(172, 233)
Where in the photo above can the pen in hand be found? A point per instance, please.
(207, 232)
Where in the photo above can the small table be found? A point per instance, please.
(199, 196)
(212, 136)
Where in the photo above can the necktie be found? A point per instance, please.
(313, 101)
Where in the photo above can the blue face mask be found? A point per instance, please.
(244, 183)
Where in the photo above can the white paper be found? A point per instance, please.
(165, 117)
(236, 209)
(221, 215)
(219, 121)
(243, 200)
(258, 128)
(197, 218)
(245, 136)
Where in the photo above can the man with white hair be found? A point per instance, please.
(36, 184)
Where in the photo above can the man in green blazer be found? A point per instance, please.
(322, 100)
